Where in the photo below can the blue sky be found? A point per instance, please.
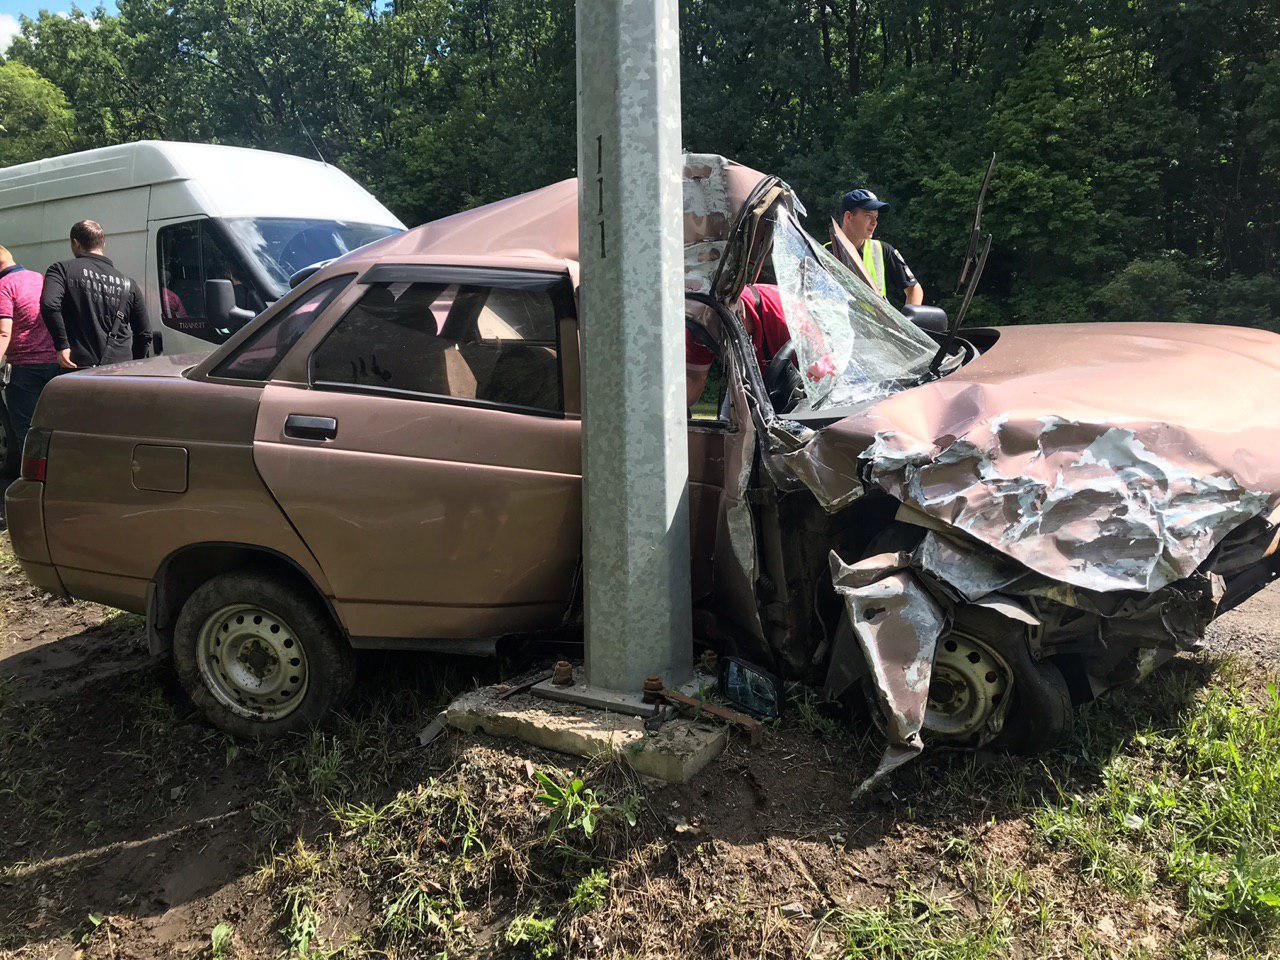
(31, 7)
(11, 10)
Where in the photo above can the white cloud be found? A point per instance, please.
(9, 28)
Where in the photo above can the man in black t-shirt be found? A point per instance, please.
(95, 314)
(879, 264)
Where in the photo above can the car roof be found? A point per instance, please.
(539, 230)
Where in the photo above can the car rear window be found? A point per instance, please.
(256, 358)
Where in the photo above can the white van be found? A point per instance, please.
(180, 214)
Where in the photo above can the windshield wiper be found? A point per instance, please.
(975, 261)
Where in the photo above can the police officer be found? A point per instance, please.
(883, 266)
(95, 314)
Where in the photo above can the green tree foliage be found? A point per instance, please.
(34, 119)
(1138, 142)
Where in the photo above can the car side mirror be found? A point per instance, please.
(932, 319)
(220, 310)
(309, 271)
(750, 688)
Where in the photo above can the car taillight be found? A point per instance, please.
(35, 455)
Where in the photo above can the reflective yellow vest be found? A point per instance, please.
(873, 259)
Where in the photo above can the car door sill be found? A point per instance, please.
(472, 647)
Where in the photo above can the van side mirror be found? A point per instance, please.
(932, 319)
(220, 310)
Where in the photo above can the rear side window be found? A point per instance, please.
(469, 343)
(256, 358)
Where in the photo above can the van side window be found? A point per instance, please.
(484, 344)
(257, 356)
(188, 254)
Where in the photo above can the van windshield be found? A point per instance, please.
(283, 246)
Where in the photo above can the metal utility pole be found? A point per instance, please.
(634, 439)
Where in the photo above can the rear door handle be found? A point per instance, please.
(302, 427)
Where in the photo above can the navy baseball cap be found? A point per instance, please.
(861, 200)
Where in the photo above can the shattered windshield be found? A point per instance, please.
(851, 345)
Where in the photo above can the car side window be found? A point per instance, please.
(469, 343)
(257, 356)
(710, 405)
(188, 254)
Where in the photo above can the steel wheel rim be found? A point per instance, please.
(969, 690)
(252, 663)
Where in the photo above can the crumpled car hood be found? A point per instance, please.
(1107, 456)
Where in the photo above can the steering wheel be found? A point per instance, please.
(782, 378)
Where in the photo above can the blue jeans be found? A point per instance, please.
(21, 394)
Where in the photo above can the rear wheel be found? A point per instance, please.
(260, 657)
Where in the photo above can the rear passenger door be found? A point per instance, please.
(428, 461)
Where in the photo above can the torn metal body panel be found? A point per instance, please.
(968, 522)
(897, 624)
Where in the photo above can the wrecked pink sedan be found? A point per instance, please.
(975, 529)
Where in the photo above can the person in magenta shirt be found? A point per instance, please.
(24, 343)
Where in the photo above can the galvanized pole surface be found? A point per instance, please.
(634, 439)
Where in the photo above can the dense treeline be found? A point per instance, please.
(1139, 140)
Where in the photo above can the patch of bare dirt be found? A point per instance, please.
(1251, 632)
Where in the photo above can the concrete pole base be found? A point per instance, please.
(676, 752)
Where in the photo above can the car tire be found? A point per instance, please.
(985, 659)
(1040, 709)
(259, 657)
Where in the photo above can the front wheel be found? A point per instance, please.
(987, 690)
(258, 656)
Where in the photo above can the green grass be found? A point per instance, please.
(33, 788)
(419, 913)
(913, 926)
(220, 941)
(1195, 805)
(590, 893)
(532, 936)
(806, 711)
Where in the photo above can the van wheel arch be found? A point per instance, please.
(182, 572)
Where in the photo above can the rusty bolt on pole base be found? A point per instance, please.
(652, 690)
(563, 675)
